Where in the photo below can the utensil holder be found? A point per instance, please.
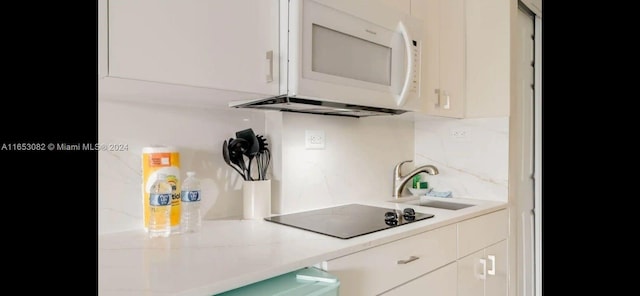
(256, 199)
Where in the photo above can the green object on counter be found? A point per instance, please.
(423, 185)
(416, 180)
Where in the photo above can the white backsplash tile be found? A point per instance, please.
(197, 133)
(471, 166)
(356, 164)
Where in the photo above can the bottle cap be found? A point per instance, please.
(191, 174)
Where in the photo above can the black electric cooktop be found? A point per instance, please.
(349, 221)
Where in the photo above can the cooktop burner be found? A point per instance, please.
(349, 221)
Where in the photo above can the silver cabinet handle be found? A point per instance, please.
(270, 66)
(412, 258)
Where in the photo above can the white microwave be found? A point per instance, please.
(352, 58)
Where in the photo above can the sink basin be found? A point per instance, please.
(442, 204)
(447, 205)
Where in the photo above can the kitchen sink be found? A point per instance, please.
(442, 204)
(447, 205)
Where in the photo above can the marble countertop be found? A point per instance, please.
(227, 254)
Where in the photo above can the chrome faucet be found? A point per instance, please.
(400, 181)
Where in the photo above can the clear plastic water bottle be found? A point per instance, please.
(190, 219)
(160, 207)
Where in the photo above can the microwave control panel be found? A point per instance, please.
(415, 78)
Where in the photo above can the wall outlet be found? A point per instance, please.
(314, 139)
(459, 133)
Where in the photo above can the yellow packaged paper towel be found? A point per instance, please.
(161, 160)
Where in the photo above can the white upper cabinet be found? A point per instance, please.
(227, 45)
(465, 57)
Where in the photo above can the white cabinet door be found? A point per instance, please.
(441, 282)
(215, 44)
(443, 56)
(471, 274)
(496, 283)
(487, 56)
(484, 273)
(465, 57)
(482, 255)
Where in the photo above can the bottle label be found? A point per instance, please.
(156, 199)
(189, 196)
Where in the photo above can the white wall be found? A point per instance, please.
(356, 164)
(198, 133)
(471, 166)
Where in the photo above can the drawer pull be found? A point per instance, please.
(412, 258)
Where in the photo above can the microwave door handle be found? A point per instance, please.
(407, 80)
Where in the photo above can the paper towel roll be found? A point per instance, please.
(166, 160)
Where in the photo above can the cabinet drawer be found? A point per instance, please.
(442, 282)
(477, 233)
(378, 269)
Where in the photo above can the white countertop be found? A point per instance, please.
(227, 254)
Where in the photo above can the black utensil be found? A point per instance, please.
(250, 136)
(263, 157)
(227, 158)
(262, 143)
(237, 148)
(252, 149)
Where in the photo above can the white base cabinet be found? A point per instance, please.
(466, 258)
(482, 231)
(379, 269)
(483, 254)
(441, 282)
(484, 273)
